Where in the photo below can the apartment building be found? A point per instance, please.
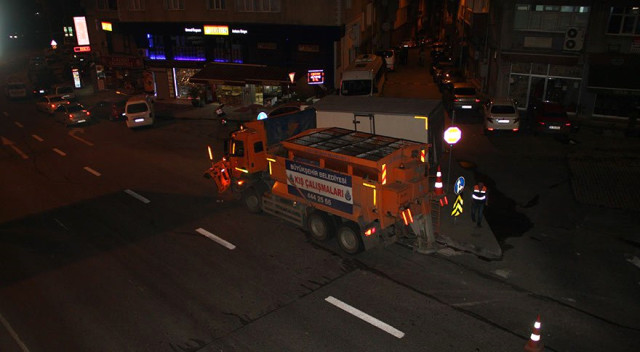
(242, 50)
(583, 54)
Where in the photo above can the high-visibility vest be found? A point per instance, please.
(479, 194)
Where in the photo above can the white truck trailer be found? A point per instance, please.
(420, 120)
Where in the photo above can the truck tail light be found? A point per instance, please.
(423, 154)
(370, 231)
(240, 182)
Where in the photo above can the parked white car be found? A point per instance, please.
(139, 111)
(501, 114)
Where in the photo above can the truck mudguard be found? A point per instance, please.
(285, 126)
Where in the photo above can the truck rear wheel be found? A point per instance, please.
(349, 238)
(253, 200)
(320, 226)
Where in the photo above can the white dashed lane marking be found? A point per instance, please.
(59, 151)
(366, 317)
(215, 238)
(92, 171)
(18, 124)
(137, 196)
(37, 138)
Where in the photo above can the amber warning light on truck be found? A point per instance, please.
(315, 77)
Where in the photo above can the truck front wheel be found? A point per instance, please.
(349, 238)
(253, 200)
(320, 226)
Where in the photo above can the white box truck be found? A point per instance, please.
(420, 120)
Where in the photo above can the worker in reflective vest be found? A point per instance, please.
(479, 196)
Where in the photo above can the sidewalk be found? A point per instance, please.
(460, 232)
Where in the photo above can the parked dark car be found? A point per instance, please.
(109, 109)
(548, 117)
(450, 76)
(461, 96)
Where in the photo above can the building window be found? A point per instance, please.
(624, 20)
(216, 4)
(156, 47)
(549, 18)
(107, 4)
(258, 5)
(188, 48)
(174, 4)
(136, 5)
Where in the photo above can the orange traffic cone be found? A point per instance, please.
(438, 185)
(534, 344)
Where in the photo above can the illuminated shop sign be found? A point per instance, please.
(107, 26)
(81, 30)
(193, 30)
(216, 30)
(239, 31)
(81, 49)
(315, 77)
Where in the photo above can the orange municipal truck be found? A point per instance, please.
(365, 189)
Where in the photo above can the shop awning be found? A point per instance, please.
(241, 74)
(614, 71)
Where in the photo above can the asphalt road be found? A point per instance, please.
(111, 240)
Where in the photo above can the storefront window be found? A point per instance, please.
(271, 94)
(518, 88)
(182, 81)
(615, 105)
(525, 88)
(230, 95)
(564, 91)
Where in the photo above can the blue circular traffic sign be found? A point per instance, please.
(459, 185)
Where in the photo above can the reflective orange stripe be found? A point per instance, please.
(384, 174)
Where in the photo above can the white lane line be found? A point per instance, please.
(215, 238)
(37, 138)
(18, 124)
(11, 145)
(59, 151)
(366, 317)
(81, 130)
(13, 333)
(90, 170)
(137, 196)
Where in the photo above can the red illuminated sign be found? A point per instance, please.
(81, 49)
(315, 77)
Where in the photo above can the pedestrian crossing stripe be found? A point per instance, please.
(457, 206)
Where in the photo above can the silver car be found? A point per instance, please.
(501, 114)
(50, 103)
(72, 114)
